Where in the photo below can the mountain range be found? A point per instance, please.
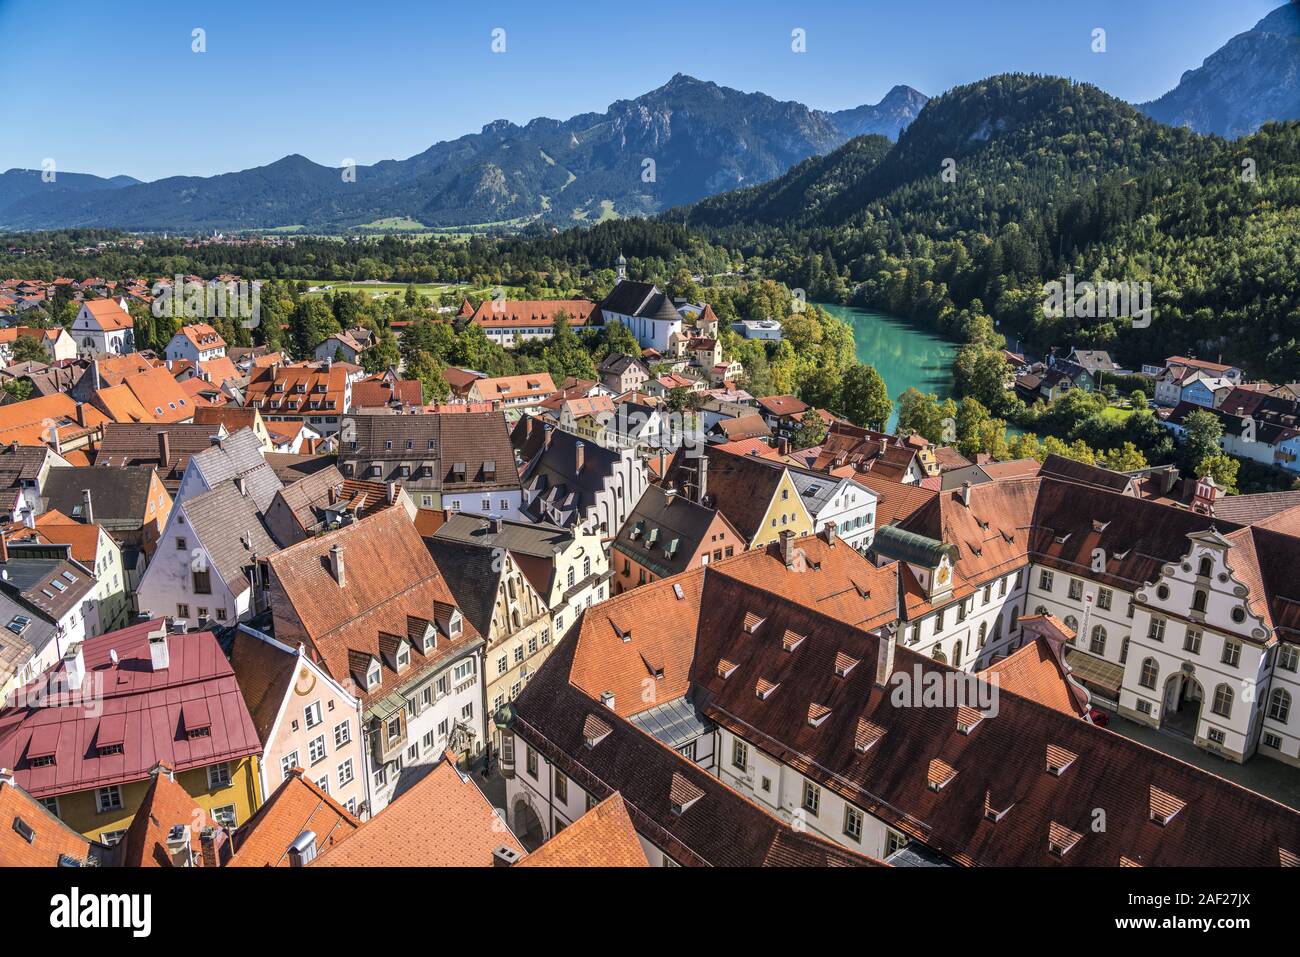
(674, 146)
(1251, 79)
(686, 140)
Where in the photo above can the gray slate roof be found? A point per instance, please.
(239, 455)
(118, 496)
(229, 526)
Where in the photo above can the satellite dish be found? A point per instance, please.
(112, 655)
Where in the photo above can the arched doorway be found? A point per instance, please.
(1183, 699)
(526, 824)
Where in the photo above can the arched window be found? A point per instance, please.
(1123, 651)
(997, 629)
(1222, 701)
(1198, 600)
(956, 655)
(1098, 643)
(984, 632)
(1040, 610)
(1279, 705)
(515, 619)
(1073, 624)
(1207, 566)
(939, 656)
(1150, 672)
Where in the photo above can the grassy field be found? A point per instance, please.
(430, 290)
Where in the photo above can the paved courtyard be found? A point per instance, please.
(1276, 780)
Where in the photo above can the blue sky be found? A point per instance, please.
(114, 87)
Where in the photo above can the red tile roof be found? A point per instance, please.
(109, 314)
(166, 804)
(145, 705)
(51, 838)
(442, 821)
(297, 806)
(603, 837)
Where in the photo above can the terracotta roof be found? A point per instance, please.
(299, 390)
(749, 426)
(721, 828)
(892, 778)
(28, 423)
(264, 671)
(388, 576)
(1033, 671)
(108, 314)
(780, 405)
(166, 805)
(297, 806)
(51, 840)
(1016, 468)
(515, 313)
(152, 396)
(377, 392)
(202, 336)
(442, 821)
(603, 837)
(750, 447)
(54, 527)
(233, 417)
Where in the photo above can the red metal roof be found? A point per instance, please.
(141, 709)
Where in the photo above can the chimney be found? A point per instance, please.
(241, 484)
(885, 654)
(670, 493)
(783, 446)
(54, 439)
(828, 533)
(29, 518)
(505, 857)
(303, 850)
(213, 849)
(81, 414)
(74, 666)
(178, 845)
(498, 525)
(607, 699)
(7, 777)
(579, 456)
(4, 549)
(159, 657)
(965, 494)
(787, 548)
(336, 564)
(702, 478)
(392, 492)
(87, 507)
(164, 448)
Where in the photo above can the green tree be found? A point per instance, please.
(810, 433)
(29, 349)
(1223, 469)
(864, 400)
(1201, 433)
(1127, 458)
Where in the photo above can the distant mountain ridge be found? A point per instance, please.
(676, 144)
(1250, 80)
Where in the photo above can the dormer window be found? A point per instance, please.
(1060, 839)
(1058, 759)
(403, 658)
(372, 676)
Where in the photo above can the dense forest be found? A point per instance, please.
(1044, 178)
